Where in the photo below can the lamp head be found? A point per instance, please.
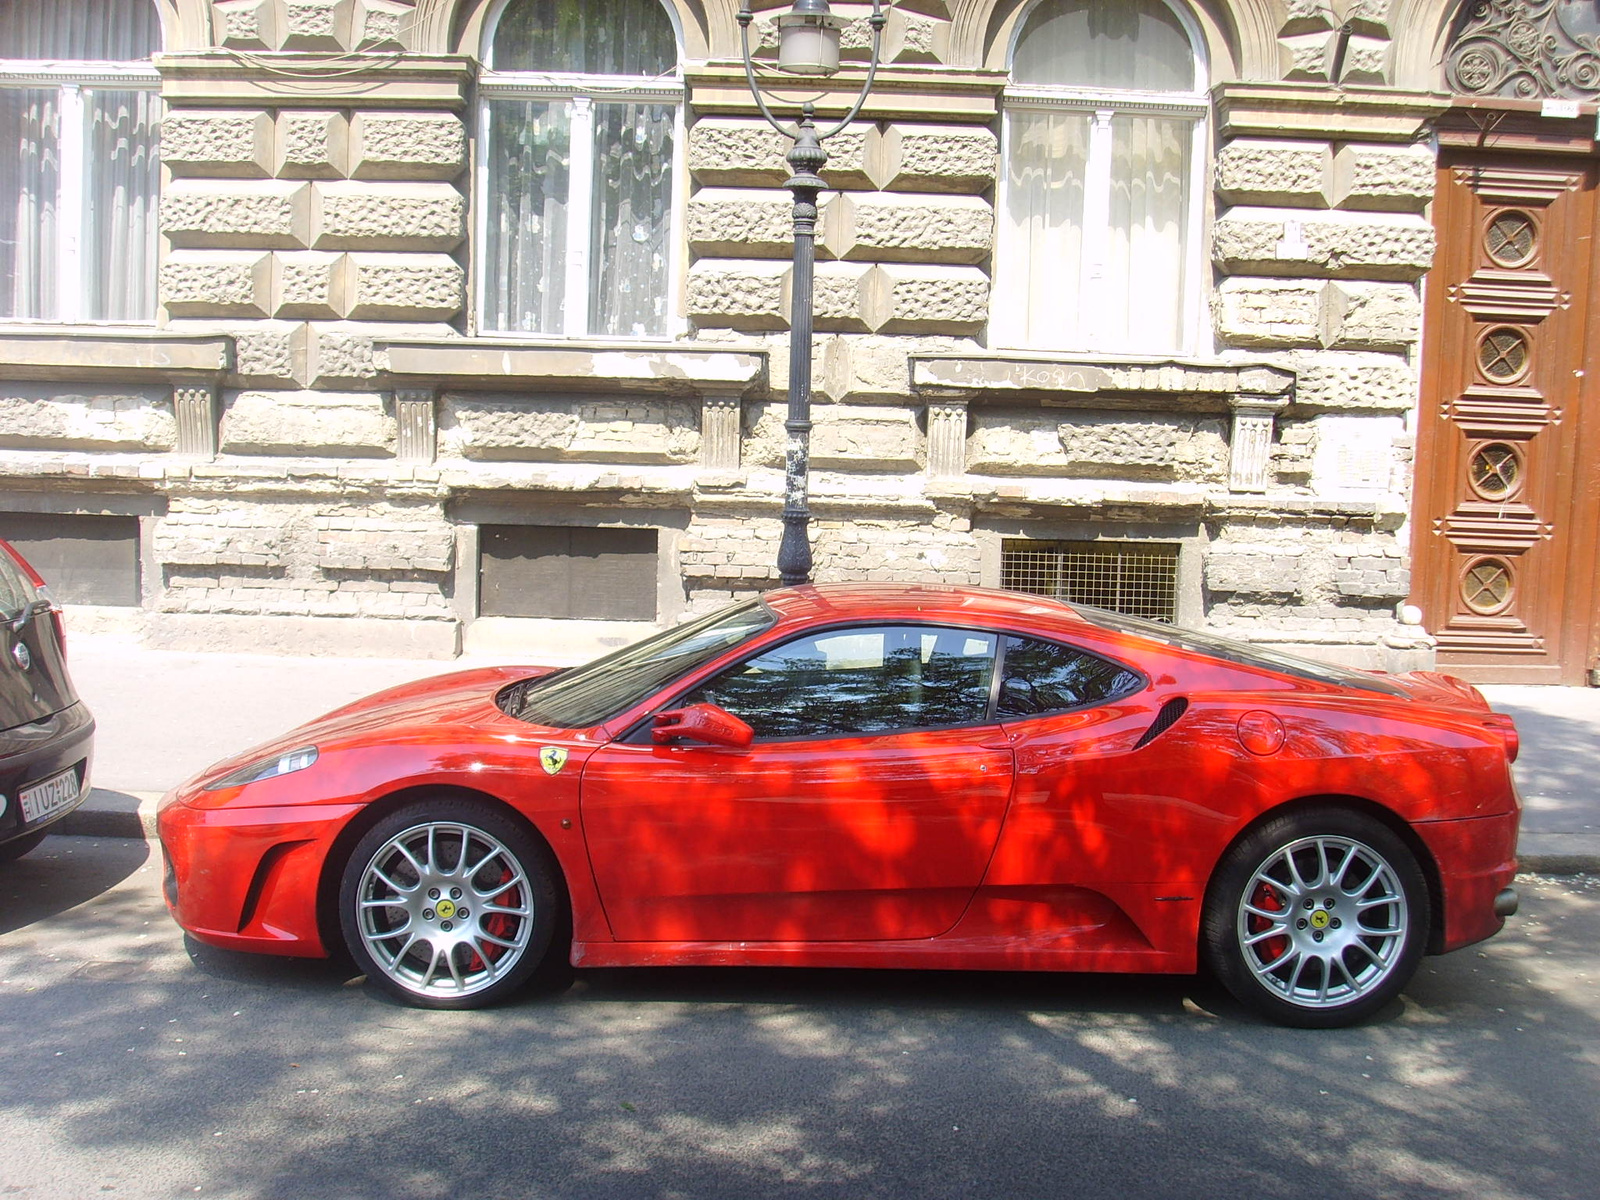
(808, 39)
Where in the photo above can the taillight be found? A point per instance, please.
(1508, 732)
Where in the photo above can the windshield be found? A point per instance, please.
(601, 689)
(1239, 652)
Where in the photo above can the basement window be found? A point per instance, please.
(1139, 579)
(566, 571)
(85, 558)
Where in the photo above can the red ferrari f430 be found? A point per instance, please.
(874, 776)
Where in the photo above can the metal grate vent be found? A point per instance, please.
(1135, 578)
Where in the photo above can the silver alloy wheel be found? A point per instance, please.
(444, 909)
(1323, 921)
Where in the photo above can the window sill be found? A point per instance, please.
(71, 352)
(1103, 382)
(591, 366)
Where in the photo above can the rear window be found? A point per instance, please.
(1242, 653)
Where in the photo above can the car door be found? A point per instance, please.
(865, 809)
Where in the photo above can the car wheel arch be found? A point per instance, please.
(347, 838)
(1365, 807)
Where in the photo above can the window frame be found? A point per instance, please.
(69, 78)
(583, 91)
(1009, 320)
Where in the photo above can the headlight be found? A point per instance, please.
(266, 768)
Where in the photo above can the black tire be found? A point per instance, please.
(1316, 918)
(432, 859)
(17, 847)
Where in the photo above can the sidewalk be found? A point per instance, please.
(164, 715)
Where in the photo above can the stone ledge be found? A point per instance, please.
(482, 363)
(77, 352)
(413, 81)
(1196, 385)
(1291, 110)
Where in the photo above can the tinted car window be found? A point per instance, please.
(16, 591)
(867, 680)
(1043, 677)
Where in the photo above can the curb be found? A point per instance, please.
(133, 815)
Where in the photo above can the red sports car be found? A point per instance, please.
(883, 776)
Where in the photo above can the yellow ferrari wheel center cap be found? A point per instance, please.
(446, 910)
(1319, 919)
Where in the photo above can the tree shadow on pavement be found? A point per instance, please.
(62, 873)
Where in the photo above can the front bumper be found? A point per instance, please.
(249, 878)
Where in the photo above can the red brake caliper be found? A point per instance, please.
(497, 924)
(1267, 899)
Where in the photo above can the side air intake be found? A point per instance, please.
(1165, 720)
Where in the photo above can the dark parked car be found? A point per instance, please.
(46, 732)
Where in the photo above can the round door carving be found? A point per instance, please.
(1512, 238)
(1495, 471)
(1488, 586)
(1504, 355)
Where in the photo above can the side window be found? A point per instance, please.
(1044, 677)
(849, 681)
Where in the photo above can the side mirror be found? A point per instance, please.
(702, 723)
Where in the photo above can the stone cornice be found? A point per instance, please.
(480, 363)
(1316, 110)
(916, 92)
(280, 80)
(95, 352)
(1194, 385)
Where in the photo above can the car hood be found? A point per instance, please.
(457, 699)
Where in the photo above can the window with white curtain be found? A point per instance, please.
(1104, 143)
(579, 133)
(79, 167)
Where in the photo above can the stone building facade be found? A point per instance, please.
(315, 439)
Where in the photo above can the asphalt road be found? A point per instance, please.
(129, 1068)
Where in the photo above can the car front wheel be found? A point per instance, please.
(1317, 918)
(448, 904)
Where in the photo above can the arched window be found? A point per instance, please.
(579, 129)
(1104, 137)
(79, 178)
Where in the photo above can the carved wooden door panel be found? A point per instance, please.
(1503, 543)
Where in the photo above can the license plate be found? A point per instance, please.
(54, 793)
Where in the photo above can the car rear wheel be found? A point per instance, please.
(1316, 918)
(448, 904)
(17, 847)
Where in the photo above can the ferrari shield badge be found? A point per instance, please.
(552, 759)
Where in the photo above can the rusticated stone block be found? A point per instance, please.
(839, 297)
(871, 367)
(233, 144)
(501, 428)
(312, 145)
(1255, 571)
(54, 416)
(385, 145)
(265, 353)
(880, 227)
(202, 283)
(1307, 16)
(207, 214)
(741, 294)
(745, 222)
(1337, 381)
(1268, 312)
(381, 25)
(341, 423)
(404, 287)
(933, 158)
(851, 437)
(1270, 171)
(1088, 445)
(308, 284)
(384, 544)
(1371, 316)
(1356, 452)
(238, 539)
(245, 24)
(316, 24)
(1366, 61)
(750, 153)
(340, 355)
(912, 37)
(1335, 244)
(387, 216)
(1397, 178)
(1307, 58)
(918, 298)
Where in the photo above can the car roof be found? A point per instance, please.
(918, 601)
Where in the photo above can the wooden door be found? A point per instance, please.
(1508, 454)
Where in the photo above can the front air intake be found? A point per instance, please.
(1165, 720)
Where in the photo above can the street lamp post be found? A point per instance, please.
(808, 44)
